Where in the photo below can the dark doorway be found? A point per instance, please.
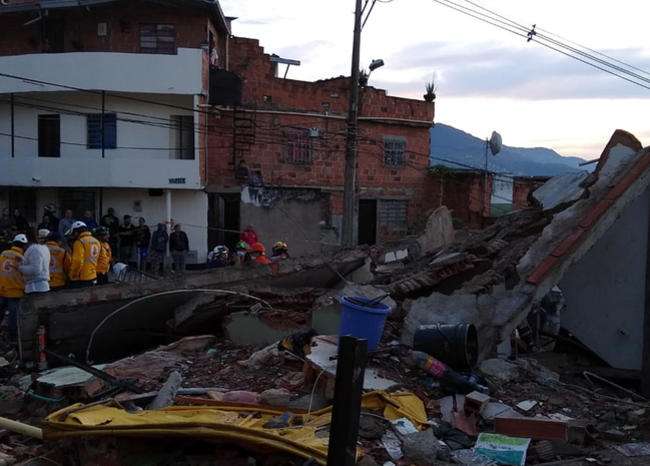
(53, 35)
(24, 199)
(223, 220)
(367, 221)
(77, 200)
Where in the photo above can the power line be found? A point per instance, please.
(533, 37)
(538, 30)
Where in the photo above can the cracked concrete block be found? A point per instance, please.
(439, 231)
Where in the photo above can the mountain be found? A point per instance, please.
(463, 148)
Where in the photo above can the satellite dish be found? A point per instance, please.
(496, 143)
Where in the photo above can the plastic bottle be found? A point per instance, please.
(447, 377)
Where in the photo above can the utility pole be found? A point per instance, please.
(350, 182)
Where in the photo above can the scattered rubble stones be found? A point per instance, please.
(276, 397)
(421, 448)
(500, 369)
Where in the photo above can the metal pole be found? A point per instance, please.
(102, 121)
(349, 193)
(13, 137)
(485, 180)
(344, 429)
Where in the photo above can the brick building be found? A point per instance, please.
(134, 142)
(522, 187)
(155, 109)
(464, 192)
(276, 160)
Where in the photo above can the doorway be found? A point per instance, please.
(78, 201)
(223, 220)
(367, 222)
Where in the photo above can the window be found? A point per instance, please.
(182, 137)
(94, 128)
(298, 149)
(49, 136)
(158, 38)
(394, 151)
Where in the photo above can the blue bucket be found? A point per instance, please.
(363, 321)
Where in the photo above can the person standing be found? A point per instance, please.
(20, 222)
(35, 266)
(179, 245)
(12, 284)
(85, 254)
(142, 239)
(50, 211)
(105, 255)
(127, 240)
(112, 224)
(65, 224)
(89, 220)
(59, 262)
(249, 236)
(158, 249)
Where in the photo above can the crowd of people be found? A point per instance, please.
(249, 251)
(77, 253)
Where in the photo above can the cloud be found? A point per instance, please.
(528, 72)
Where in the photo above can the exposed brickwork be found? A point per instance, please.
(80, 28)
(462, 192)
(273, 104)
(521, 189)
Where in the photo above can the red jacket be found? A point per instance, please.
(249, 237)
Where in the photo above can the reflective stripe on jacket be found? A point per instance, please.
(12, 284)
(58, 276)
(85, 253)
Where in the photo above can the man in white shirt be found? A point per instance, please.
(36, 265)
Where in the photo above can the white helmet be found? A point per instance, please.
(20, 239)
(76, 225)
(221, 250)
(43, 233)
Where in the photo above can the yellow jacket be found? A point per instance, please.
(85, 254)
(12, 284)
(58, 275)
(105, 258)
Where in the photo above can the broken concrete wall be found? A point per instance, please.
(291, 215)
(438, 232)
(605, 290)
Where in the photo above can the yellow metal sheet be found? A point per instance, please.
(240, 424)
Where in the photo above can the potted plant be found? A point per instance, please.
(431, 88)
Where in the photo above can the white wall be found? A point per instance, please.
(79, 166)
(605, 290)
(126, 72)
(189, 208)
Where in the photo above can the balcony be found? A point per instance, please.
(117, 72)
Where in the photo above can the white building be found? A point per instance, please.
(152, 130)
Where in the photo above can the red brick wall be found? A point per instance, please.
(521, 188)
(274, 100)
(123, 26)
(462, 193)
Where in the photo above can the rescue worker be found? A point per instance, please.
(59, 262)
(85, 254)
(219, 257)
(258, 254)
(249, 236)
(105, 255)
(12, 284)
(241, 251)
(35, 266)
(279, 253)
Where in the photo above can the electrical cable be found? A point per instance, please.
(508, 27)
(164, 293)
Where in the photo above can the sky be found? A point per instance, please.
(487, 79)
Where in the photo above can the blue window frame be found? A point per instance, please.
(95, 131)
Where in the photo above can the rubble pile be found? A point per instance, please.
(466, 360)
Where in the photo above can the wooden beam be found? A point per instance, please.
(344, 430)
